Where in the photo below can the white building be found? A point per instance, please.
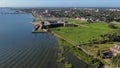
(46, 11)
(97, 10)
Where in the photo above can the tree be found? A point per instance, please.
(113, 26)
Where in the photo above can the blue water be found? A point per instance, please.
(20, 48)
(4, 10)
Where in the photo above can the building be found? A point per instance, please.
(46, 11)
(97, 10)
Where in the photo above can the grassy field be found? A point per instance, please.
(83, 34)
(76, 21)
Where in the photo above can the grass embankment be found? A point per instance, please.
(61, 52)
(71, 49)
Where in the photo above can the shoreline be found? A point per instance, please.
(74, 46)
(69, 46)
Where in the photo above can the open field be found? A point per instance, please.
(83, 34)
(76, 21)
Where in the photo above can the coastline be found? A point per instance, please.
(67, 48)
(73, 46)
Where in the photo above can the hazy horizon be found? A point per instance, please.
(57, 3)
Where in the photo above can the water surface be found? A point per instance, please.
(19, 48)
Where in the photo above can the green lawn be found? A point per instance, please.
(83, 34)
(77, 21)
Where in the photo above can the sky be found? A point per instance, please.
(59, 3)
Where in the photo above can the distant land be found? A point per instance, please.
(63, 7)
